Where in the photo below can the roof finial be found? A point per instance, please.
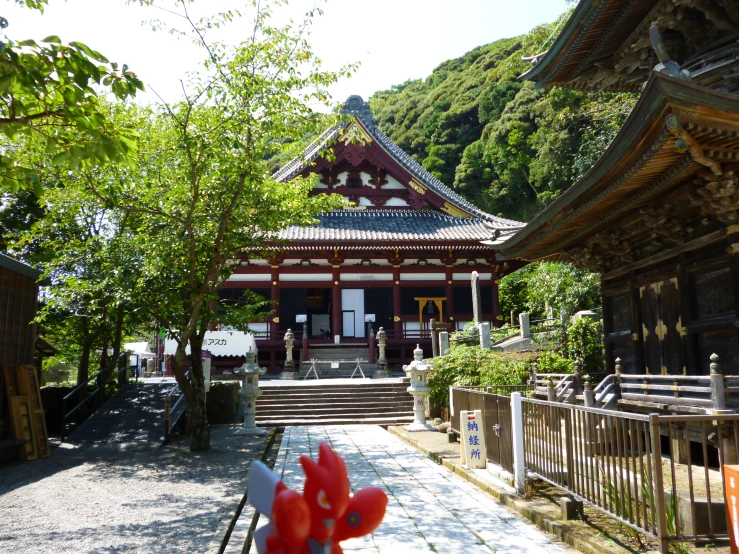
(356, 106)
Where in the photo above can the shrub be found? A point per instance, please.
(472, 366)
(551, 361)
(584, 341)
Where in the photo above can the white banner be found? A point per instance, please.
(220, 343)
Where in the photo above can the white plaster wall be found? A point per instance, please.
(396, 202)
(468, 276)
(392, 183)
(250, 277)
(366, 276)
(422, 276)
(292, 277)
(364, 201)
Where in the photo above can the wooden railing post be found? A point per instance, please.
(718, 395)
(551, 392)
(532, 378)
(588, 395)
(577, 377)
(658, 488)
(617, 379)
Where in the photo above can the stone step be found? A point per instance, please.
(359, 389)
(383, 421)
(308, 400)
(347, 415)
(348, 395)
(337, 409)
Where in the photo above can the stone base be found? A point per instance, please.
(289, 375)
(420, 427)
(251, 431)
(381, 374)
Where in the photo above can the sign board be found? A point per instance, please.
(301, 318)
(731, 480)
(206, 372)
(473, 439)
(369, 318)
(334, 365)
(219, 343)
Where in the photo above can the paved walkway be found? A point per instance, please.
(431, 510)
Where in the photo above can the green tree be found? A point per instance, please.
(53, 92)
(202, 192)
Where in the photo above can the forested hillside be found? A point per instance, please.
(504, 145)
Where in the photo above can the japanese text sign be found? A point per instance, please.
(473, 439)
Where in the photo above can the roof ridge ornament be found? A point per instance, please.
(356, 106)
(666, 65)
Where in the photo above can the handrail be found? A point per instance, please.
(169, 409)
(68, 414)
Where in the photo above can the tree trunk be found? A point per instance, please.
(83, 371)
(198, 416)
(118, 335)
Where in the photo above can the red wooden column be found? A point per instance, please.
(397, 324)
(449, 311)
(275, 299)
(336, 303)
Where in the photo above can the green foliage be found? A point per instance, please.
(53, 93)
(507, 147)
(551, 361)
(559, 286)
(584, 341)
(471, 365)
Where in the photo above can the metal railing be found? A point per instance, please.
(614, 461)
(173, 413)
(97, 394)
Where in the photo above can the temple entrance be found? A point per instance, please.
(352, 312)
(314, 303)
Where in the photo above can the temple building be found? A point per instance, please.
(400, 257)
(658, 214)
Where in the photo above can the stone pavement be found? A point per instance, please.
(431, 510)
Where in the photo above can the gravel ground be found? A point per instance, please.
(122, 499)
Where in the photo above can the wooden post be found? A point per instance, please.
(588, 394)
(718, 396)
(551, 392)
(336, 321)
(434, 342)
(532, 378)
(577, 377)
(658, 487)
(397, 323)
(617, 379)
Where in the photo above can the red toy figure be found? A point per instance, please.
(317, 521)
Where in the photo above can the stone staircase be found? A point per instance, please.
(366, 401)
(329, 354)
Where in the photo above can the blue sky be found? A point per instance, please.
(394, 40)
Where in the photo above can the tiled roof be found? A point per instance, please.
(390, 225)
(360, 110)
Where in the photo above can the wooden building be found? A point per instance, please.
(18, 297)
(658, 213)
(401, 256)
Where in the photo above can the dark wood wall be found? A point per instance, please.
(18, 296)
(669, 317)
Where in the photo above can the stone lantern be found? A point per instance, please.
(381, 371)
(250, 392)
(418, 370)
(288, 371)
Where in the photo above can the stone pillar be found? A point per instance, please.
(418, 370)
(382, 369)
(250, 392)
(434, 340)
(304, 351)
(443, 343)
(288, 371)
(485, 342)
(524, 322)
(476, 300)
(372, 345)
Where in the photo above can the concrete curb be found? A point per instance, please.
(528, 509)
(233, 509)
